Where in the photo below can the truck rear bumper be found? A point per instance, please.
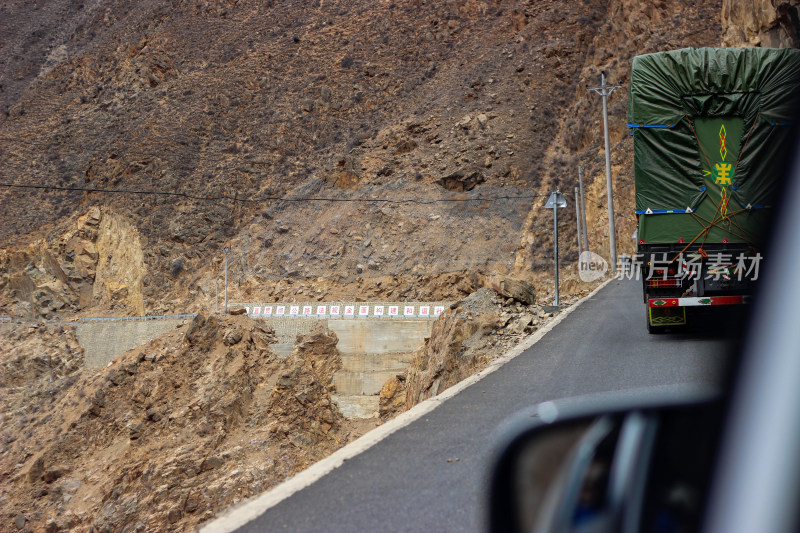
(702, 301)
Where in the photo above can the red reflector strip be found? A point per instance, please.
(701, 301)
(671, 283)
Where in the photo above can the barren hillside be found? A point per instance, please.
(167, 435)
(329, 144)
(340, 150)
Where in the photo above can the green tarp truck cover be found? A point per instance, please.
(712, 129)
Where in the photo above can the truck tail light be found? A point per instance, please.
(672, 283)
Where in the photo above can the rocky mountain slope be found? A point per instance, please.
(767, 23)
(340, 150)
(167, 435)
(233, 109)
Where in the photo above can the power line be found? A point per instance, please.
(270, 198)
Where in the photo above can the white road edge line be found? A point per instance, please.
(247, 511)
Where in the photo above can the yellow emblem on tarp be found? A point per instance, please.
(723, 173)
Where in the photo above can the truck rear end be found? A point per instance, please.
(712, 129)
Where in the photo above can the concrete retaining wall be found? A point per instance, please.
(373, 349)
(380, 336)
(103, 341)
(356, 336)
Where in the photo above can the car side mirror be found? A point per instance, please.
(600, 464)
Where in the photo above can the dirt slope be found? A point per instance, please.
(231, 110)
(767, 23)
(166, 435)
(374, 101)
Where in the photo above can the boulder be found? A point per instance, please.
(461, 180)
(36, 470)
(520, 324)
(515, 288)
(232, 336)
(392, 399)
(93, 216)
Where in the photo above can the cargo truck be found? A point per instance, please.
(711, 131)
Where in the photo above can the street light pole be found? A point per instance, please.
(555, 249)
(604, 91)
(555, 202)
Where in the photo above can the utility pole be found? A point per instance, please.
(578, 218)
(583, 210)
(604, 91)
(226, 279)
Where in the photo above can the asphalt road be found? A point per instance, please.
(405, 483)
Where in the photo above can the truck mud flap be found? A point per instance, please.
(667, 316)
